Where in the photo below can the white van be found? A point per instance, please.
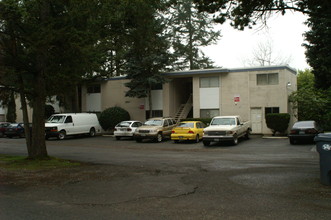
(61, 125)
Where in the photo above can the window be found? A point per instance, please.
(209, 113)
(269, 110)
(208, 82)
(68, 119)
(94, 89)
(267, 79)
(155, 113)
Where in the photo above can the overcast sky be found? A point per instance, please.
(235, 47)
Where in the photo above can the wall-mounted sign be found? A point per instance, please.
(236, 98)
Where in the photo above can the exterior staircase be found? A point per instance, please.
(184, 109)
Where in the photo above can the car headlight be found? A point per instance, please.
(153, 130)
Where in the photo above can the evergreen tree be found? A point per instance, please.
(148, 49)
(319, 43)
(47, 47)
(191, 30)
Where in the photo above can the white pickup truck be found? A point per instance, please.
(226, 128)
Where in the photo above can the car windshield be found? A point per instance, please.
(186, 125)
(155, 122)
(223, 121)
(123, 124)
(56, 119)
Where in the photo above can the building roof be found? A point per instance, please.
(218, 70)
(225, 70)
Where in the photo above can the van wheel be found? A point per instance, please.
(92, 132)
(61, 135)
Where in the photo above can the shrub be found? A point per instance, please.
(112, 116)
(278, 122)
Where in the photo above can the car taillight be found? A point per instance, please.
(293, 131)
(115, 129)
(129, 129)
(191, 132)
(173, 132)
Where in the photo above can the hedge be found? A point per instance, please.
(278, 122)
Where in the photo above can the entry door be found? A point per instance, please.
(256, 120)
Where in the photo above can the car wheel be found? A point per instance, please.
(197, 139)
(138, 140)
(176, 141)
(118, 138)
(159, 137)
(92, 132)
(61, 135)
(2, 134)
(235, 140)
(9, 136)
(206, 143)
(292, 141)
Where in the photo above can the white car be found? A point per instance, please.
(126, 129)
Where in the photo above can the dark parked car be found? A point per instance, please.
(15, 129)
(304, 131)
(3, 126)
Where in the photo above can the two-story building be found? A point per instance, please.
(248, 92)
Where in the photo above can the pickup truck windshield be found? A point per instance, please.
(223, 121)
(56, 119)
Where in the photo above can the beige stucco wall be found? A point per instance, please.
(113, 94)
(244, 85)
(233, 84)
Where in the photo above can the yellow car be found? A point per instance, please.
(188, 130)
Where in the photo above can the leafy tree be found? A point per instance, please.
(309, 102)
(191, 30)
(148, 50)
(46, 47)
(245, 13)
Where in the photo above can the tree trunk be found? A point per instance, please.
(38, 148)
(150, 103)
(38, 122)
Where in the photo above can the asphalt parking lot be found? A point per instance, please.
(256, 179)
